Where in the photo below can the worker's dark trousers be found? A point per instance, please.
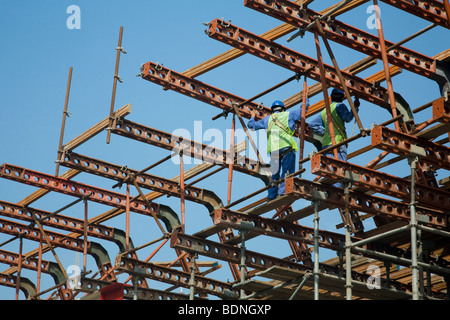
(283, 166)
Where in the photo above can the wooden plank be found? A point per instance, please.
(96, 129)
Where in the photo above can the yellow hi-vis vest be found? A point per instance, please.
(279, 135)
(338, 125)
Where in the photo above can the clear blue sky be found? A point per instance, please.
(38, 49)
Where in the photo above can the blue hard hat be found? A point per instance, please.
(277, 105)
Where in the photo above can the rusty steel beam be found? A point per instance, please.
(430, 10)
(196, 89)
(191, 148)
(30, 263)
(293, 60)
(62, 241)
(345, 34)
(94, 285)
(67, 223)
(404, 144)
(199, 90)
(28, 288)
(228, 253)
(379, 181)
(173, 276)
(362, 202)
(277, 228)
(255, 260)
(144, 180)
(289, 231)
(441, 110)
(80, 190)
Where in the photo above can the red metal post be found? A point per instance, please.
(386, 64)
(325, 94)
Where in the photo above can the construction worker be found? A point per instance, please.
(281, 145)
(339, 115)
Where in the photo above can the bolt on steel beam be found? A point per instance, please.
(404, 144)
(378, 181)
(345, 34)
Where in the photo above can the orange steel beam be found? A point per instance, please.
(431, 10)
(56, 239)
(379, 181)
(347, 35)
(77, 189)
(293, 60)
(403, 144)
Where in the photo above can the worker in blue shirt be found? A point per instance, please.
(281, 145)
(339, 115)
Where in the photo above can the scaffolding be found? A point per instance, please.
(405, 257)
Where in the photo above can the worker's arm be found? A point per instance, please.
(317, 125)
(258, 124)
(296, 114)
(345, 113)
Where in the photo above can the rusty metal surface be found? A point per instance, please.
(378, 181)
(345, 34)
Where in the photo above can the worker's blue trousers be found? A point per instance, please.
(284, 166)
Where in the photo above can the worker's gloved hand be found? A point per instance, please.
(357, 103)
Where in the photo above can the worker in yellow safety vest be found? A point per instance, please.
(281, 145)
(339, 116)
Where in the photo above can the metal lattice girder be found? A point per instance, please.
(277, 228)
(63, 241)
(191, 148)
(169, 275)
(293, 60)
(95, 194)
(345, 34)
(404, 144)
(361, 202)
(145, 180)
(378, 181)
(431, 10)
(228, 253)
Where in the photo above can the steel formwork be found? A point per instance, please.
(407, 249)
